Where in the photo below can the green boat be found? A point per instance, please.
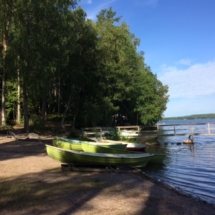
(156, 159)
(102, 159)
(66, 145)
(103, 148)
(68, 140)
(72, 144)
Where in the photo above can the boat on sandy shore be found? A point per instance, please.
(103, 148)
(130, 146)
(67, 145)
(73, 144)
(111, 146)
(103, 159)
(156, 159)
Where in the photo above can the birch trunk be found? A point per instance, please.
(3, 111)
(18, 114)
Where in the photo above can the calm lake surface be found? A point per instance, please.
(189, 168)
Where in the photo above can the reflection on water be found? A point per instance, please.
(188, 167)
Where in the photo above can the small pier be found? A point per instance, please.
(144, 132)
(201, 129)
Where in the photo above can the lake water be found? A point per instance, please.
(189, 168)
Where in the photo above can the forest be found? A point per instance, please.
(57, 63)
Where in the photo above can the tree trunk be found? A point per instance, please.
(58, 108)
(65, 112)
(26, 113)
(43, 111)
(3, 111)
(26, 82)
(73, 122)
(18, 114)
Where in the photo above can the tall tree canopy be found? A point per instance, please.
(55, 61)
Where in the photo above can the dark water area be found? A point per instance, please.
(189, 168)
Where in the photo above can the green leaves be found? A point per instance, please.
(127, 81)
(90, 69)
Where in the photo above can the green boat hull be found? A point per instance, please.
(103, 159)
(69, 140)
(67, 145)
(77, 144)
(157, 159)
(102, 148)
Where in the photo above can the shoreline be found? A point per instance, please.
(33, 183)
(177, 191)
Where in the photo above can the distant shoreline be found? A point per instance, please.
(195, 116)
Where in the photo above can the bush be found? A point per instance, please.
(73, 134)
(113, 134)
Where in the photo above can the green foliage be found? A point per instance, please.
(11, 98)
(73, 134)
(113, 134)
(5, 128)
(84, 69)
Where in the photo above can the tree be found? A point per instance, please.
(128, 84)
(37, 48)
(78, 67)
(5, 17)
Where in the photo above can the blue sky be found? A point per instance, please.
(178, 39)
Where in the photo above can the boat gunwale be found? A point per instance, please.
(127, 155)
(70, 141)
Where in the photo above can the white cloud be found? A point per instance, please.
(188, 106)
(197, 80)
(186, 62)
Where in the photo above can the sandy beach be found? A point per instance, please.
(33, 183)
